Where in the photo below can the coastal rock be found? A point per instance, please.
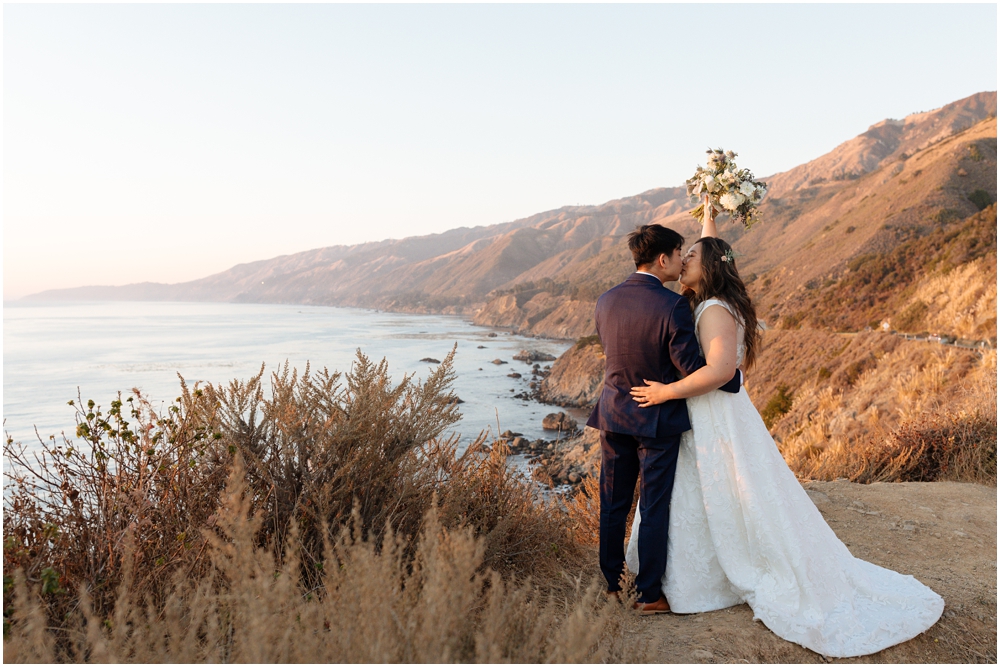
(569, 461)
(533, 355)
(498, 362)
(539, 313)
(430, 360)
(514, 375)
(510, 434)
(559, 422)
(576, 377)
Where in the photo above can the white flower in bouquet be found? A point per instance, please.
(730, 189)
(731, 200)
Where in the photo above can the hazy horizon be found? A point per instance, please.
(166, 143)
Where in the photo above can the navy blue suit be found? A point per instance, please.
(648, 334)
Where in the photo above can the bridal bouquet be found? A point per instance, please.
(730, 189)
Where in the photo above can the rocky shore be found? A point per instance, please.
(538, 313)
(571, 462)
(573, 380)
(576, 377)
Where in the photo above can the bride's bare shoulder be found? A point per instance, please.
(715, 316)
(717, 305)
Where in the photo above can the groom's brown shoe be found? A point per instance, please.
(650, 608)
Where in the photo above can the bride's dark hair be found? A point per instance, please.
(721, 280)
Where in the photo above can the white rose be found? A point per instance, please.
(731, 200)
(747, 189)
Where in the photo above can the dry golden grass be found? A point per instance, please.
(134, 519)
(961, 302)
(862, 401)
(371, 604)
(929, 442)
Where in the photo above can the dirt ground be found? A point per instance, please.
(943, 533)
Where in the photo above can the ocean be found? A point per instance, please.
(52, 351)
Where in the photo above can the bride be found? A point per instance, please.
(741, 528)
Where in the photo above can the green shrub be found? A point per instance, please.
(946, 215)
(778, 406)
(981, 198)
(793, 321)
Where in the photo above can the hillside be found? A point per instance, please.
(541, 274)
(820, 256)
(449, 272)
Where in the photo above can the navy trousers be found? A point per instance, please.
(651, 461)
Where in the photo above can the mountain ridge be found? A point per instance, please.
(563, 256)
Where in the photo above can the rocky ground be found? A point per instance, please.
(942, 533)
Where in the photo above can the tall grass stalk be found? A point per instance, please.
(373, 603)
(349, 529)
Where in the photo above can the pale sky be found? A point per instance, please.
(169, 142)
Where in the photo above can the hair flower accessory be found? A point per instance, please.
(729, 257)
(729, 189)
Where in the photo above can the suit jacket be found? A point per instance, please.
(648, 333)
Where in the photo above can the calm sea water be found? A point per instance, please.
(51, 350)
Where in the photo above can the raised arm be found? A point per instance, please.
(708, 227)
(718, 335)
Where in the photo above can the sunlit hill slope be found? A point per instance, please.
(878, 229)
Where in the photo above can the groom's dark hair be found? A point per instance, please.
(650, 241)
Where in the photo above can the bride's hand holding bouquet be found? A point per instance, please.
(722, 187)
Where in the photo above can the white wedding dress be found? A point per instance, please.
(742, 529)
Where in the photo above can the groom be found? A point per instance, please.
(648, 334)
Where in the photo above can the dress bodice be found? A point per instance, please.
(740, 347)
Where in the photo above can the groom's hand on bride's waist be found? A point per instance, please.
(655, 393)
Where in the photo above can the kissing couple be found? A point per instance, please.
(721, 519)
